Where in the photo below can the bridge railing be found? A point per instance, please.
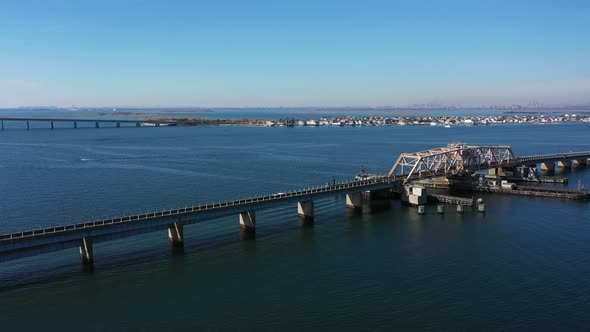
(197, 208)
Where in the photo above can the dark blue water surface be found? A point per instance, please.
(524, 265)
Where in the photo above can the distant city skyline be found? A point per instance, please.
(294, 54)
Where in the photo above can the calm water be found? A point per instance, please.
(524, 265)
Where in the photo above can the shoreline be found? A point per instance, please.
(447, 121)
(378, 121)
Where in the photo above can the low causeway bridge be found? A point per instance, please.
(563, 160)
(94, 123)
(33, 242)
(444, 161)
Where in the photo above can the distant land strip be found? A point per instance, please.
(358, 121)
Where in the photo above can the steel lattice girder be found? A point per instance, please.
(450, 160)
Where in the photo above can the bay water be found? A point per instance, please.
(523, 265)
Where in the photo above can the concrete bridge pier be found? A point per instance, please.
(497, 171)
(580, 162)
(564, 164)
(52, 126)
(28, 125)
(176, 234)
(2, 124)
(354, 201)
(548, 167)
(305, 210)
(248, 220)
(86, 253)
(75, 125)
(97, 124)
(118, 124)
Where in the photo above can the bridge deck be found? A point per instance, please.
(553, 157)
(130, 225)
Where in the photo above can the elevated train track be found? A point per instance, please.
(443, 161)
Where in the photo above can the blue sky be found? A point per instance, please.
(293, 53)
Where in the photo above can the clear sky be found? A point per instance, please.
(293, 53)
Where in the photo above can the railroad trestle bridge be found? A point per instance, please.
(444, 161)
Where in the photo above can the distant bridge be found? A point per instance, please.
(74, 122)
(443, 161)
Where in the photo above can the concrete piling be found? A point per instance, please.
(86, 253)
(248, 220)
(497, 171)
(549, 167)
(440, 208)
(460, 208)
(421, 209)
(481, 207)
(354, 201)
(305, 210)
(176, 234)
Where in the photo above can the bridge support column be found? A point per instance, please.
(305, 210)
(118, 124)
(549, 167)
(176, 234)
(28, 126)
(354, 201)
(564, 164)
(2, 124)
(580, 162)
(248, 220)
(52, 127)
(97, 124)
(75, 125)
(137, 124)
(86, 253)
(497, 171)
(421, 209)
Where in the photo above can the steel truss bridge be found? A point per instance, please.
(451, 160)
(460, 158)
